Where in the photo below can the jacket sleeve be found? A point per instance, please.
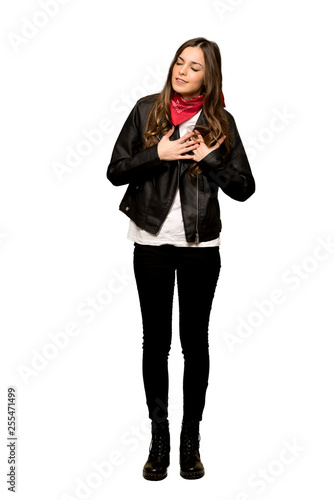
(127, 162)
(233, 175)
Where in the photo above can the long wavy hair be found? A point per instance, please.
(159, 120)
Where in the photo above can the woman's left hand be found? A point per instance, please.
(203, 150)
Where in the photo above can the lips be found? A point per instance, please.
(179, 80)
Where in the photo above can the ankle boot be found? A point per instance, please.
(191, 466)
(157, 463)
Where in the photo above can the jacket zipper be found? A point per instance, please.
(197, 235)
(178, 177)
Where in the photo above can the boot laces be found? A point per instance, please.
(159, 444)
(190, 439)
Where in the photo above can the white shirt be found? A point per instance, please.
(172, 230)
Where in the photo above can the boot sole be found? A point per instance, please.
(192, 475)
(153, 476)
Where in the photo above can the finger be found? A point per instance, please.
(199, 140)
(221, 139)
(189, 142)
(168, 134)
(187, 157)
(191, 147)
(198, 136)
(186, 136)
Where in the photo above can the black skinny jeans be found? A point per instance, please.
(197, 275)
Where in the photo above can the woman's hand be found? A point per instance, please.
(178, 149)
(203, 150)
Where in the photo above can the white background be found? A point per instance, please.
(63, 242)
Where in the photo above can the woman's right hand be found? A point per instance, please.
(176, 150)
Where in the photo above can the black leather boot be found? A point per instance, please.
(191, 466)
(157, 463)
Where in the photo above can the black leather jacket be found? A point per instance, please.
(148, 204)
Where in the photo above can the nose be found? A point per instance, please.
(182, 71)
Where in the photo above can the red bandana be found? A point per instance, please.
(182, 109)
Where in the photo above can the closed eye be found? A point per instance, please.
(179, 64)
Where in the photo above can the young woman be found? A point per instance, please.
(174, 151)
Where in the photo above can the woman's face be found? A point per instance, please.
(188, 72)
